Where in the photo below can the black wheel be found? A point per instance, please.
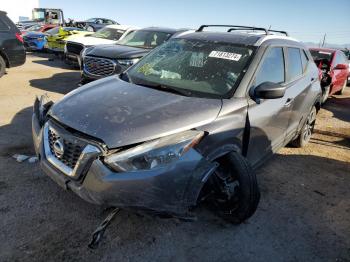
(341, 91)
(2, 66)
(232, 191)
(306, 132)
(90, 29)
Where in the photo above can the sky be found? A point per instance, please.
(306, 20)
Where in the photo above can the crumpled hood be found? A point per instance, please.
(117, 51)
(121, 113)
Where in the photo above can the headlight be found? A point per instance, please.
(85, 50)
(156, 153)
(128, 62)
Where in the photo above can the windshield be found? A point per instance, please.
(109, 33)
(53, 31)
(38, 15)
(34, 28)
(197, 67)
(145, 39)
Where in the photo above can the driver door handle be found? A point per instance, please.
(289, 102)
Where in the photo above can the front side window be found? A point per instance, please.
(195, 67)
(145, 39)
(295, 69)
(304, 59)
(272, 68)
(3, 26)
(109, 33)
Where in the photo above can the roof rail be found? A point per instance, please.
(243, 27)
(278, 31)
(234, 27)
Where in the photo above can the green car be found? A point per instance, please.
(58, 36)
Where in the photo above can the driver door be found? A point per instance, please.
(268, 118)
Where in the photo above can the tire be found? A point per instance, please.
(341, 91)
(306, 131)
(90, 29)
(233, 189)
(2, 66)
(325, 94)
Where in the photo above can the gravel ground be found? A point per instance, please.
(304, 213)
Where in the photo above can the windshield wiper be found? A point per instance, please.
(166, 88)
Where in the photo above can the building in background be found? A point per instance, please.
(19, 10)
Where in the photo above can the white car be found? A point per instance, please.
(110, 34)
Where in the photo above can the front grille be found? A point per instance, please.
(99, 66)
(73, 148)
(74, 48)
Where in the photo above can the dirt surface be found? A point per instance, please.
(304, 213)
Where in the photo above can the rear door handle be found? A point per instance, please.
(289, 102)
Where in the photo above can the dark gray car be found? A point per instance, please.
(183, 126)
(105, 60)
(12, 52)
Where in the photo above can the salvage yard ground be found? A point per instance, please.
(304, 213)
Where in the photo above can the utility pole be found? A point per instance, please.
(324, 40)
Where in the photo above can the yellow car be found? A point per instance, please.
(57, 37)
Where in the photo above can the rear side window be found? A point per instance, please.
(272, 68)
(3, 25)
(304, 59)
(295, 69)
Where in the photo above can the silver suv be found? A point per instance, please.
(185, 125)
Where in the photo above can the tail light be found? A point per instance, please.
(19, 37)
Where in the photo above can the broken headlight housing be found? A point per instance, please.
(128, 62)
(154, 154)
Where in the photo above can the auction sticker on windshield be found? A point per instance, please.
(225, 55)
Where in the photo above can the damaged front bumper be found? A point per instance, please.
(170, 189)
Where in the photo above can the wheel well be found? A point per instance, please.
(318, 106)
(5, 59)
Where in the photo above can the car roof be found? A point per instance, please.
(122, 27)
(324, 49)
(242, 38)
(162, 29)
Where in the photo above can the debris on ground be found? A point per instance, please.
(98, 233)
(33, 159)
(21, 158)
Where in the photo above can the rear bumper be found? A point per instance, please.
(172, 189)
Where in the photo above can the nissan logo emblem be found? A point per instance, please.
(58, 148)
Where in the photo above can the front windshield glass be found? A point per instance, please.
(91, 20)
(109, 33)
(34, 28)
(38, 15)
(53, 31)
(145, 39)
(197, 67)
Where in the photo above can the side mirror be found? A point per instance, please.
(269, 90)
(340, 67)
